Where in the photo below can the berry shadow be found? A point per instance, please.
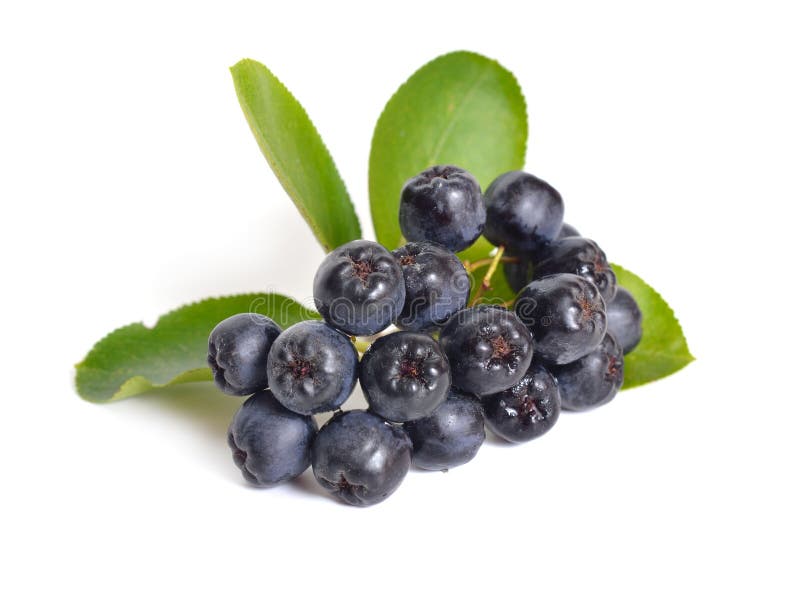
(425, 471)
(200, 404)
(204, 413)
(197, 416)
(306, 484)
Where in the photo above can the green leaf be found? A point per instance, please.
(461, 109)
(135, 359)
(296, 153)
(663, 349)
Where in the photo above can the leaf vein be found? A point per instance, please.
(437, 150)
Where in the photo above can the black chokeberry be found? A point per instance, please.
(237, 352)
(523, 212)
(450, 436)
(592, 380)
(437, 285)
(442, 204)
(270, 443)
(360, 458)
(526, 410)
(624, 320)
(404, 376)
(581, 256)
(359, 288)
(566, 315)
(519, 267)
(488, 347)
(312, 367)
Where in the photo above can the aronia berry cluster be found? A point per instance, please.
(451, 367)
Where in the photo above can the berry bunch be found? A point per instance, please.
(451, 369)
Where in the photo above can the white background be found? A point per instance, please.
(130, 184)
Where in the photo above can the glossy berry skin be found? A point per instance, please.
(581, 256)
(489, 349)
(237, 352)
(526, 410)
(624, 320)
(359, 288)
(523, 212)
(312, 368)
(566, 315)
(592, 380)
(360, 458)
(270, 443)
(437, 285)
(520, 273)
(404, 376)
(442, 204)
(450, 436)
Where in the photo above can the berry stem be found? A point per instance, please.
(473, 266)
(486, 283)
(362, 343)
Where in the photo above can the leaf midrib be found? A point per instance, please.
(437, 150)
(662, 355)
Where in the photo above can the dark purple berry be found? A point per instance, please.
(581, 256)
(404, 376)
(442, 204)
(566, 315)
(359, 288)
(450, 436)
(523, 212)
(521, 271)
(437, 285)
(360, 458)
(527, 410)
(624, 320)
(237, 352)
(592, 380)
(270, 443)
(312, 368)
(489, 349)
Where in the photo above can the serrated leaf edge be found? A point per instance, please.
(517, 87)
(685, 361)
(181, 377)
(289, 187)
